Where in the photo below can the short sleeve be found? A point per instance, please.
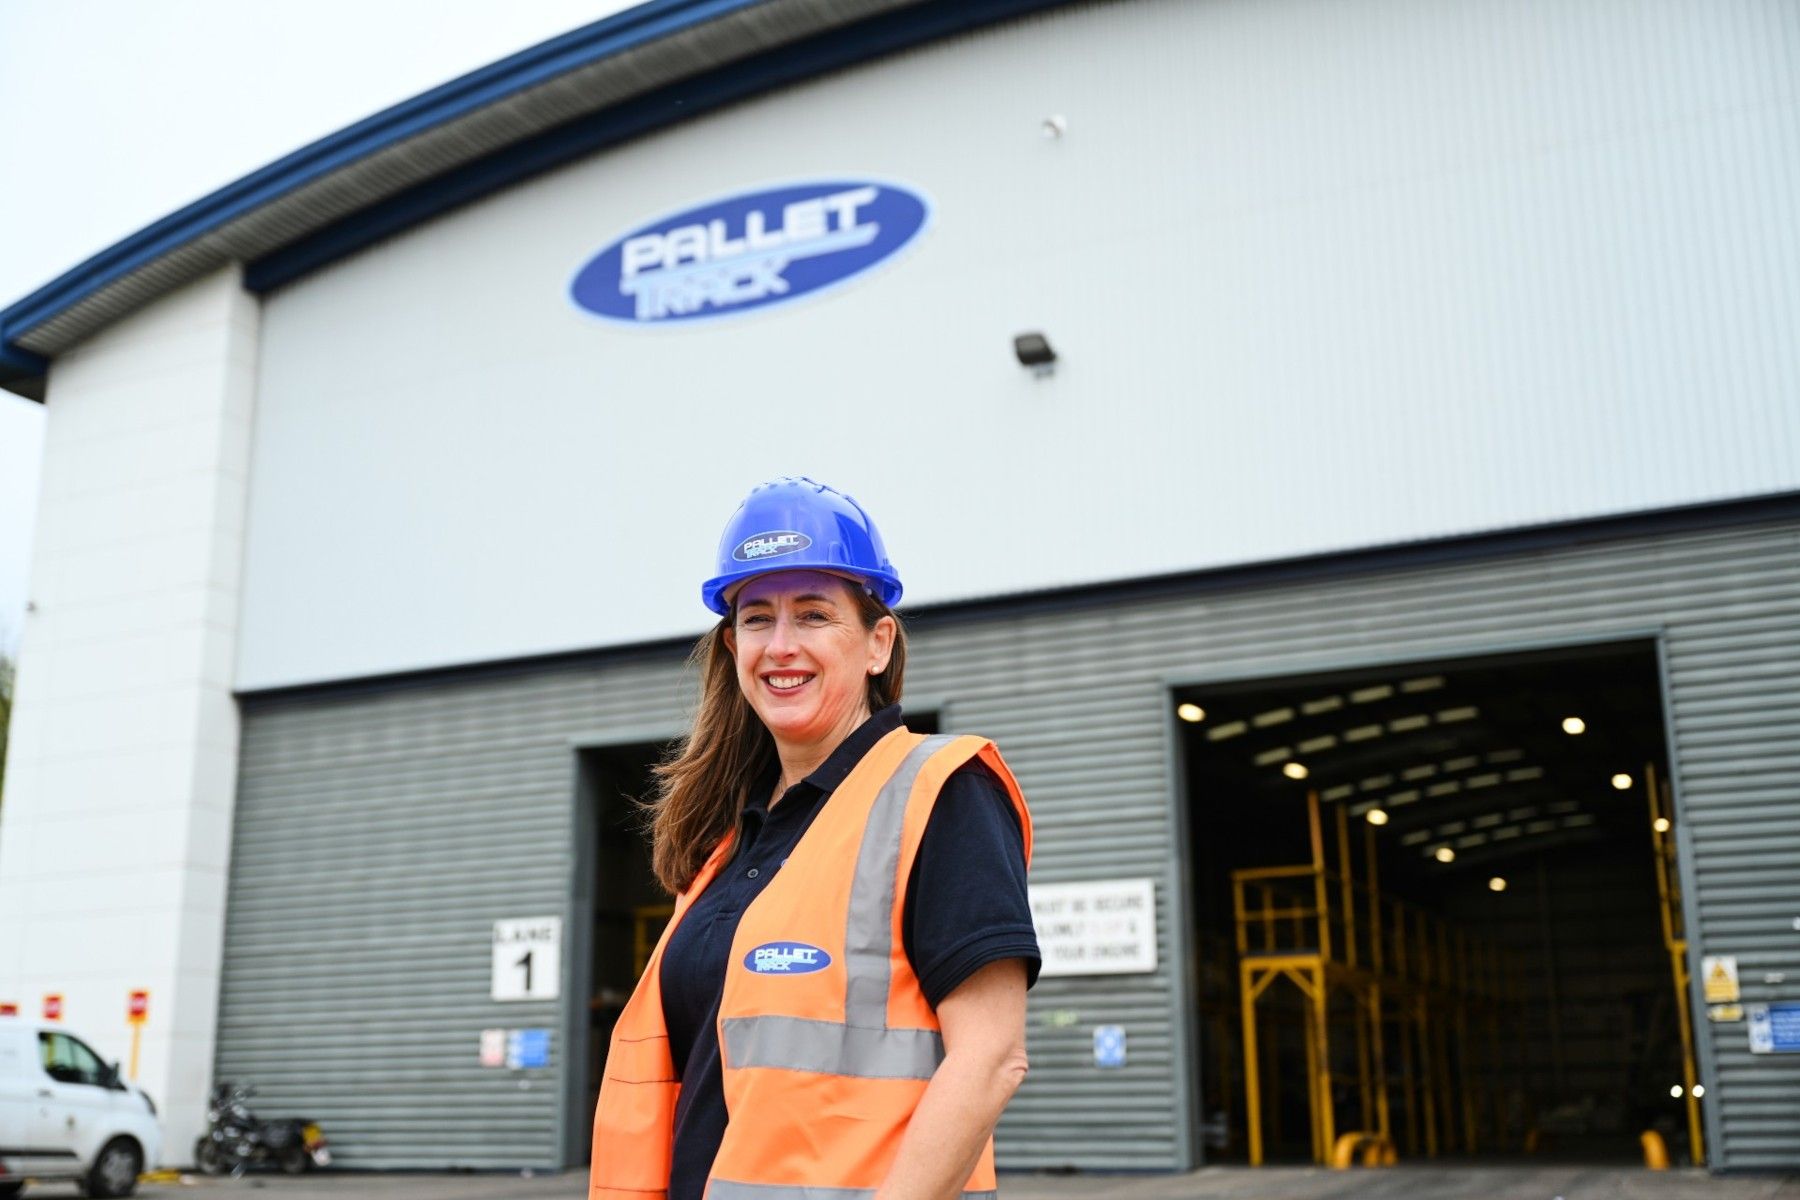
(966, 903)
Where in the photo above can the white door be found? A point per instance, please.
(74, 1105)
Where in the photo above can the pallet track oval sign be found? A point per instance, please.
(749, 251)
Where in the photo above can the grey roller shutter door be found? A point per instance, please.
(379, 835)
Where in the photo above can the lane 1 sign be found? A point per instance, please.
(53, 1006)
(527, 959)
(137, 1007)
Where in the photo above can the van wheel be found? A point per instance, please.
(115, 1172)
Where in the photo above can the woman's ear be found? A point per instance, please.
(881, 644)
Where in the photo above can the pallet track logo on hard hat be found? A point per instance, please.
(768, 545)
(786, 958)
(749, 251)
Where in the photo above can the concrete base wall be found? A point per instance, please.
(116, 825)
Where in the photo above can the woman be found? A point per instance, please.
(837, 1008)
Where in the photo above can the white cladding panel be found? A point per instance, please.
(1323, 275)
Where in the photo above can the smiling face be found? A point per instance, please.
(804, 657)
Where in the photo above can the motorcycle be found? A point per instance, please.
(236, 1138)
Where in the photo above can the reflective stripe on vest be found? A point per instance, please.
(863, 1045)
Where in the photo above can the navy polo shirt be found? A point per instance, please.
(966, 907)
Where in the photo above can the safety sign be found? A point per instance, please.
(527, 1049)
(1719, 976)
(1109, 1045)
(527, 958)
(493, 1047)
(1774, 1028)
(1101, 927)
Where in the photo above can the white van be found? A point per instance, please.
(66, 1114)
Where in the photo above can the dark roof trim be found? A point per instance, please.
(22, 371)
(441, 104)
(640, 115)
(1445, 551)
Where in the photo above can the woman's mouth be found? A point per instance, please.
(787, 683)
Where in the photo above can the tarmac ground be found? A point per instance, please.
(1534, 1182)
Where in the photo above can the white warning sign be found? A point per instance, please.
(527, 958)
(1107, 927)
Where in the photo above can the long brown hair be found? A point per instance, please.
(703, 784)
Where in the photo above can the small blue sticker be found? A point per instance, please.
(786, 958)
(1109, 1045)
(528, 1049)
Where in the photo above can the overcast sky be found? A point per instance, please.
(117, 113)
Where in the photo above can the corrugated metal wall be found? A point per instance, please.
(379, 835)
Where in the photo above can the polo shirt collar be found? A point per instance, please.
(830, 773)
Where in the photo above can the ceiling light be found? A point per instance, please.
(1377, 816)
(1574, 725)
(1661, 824)
(1675, 1092)
(1445, 854)
(1496, 884)
(1191, 713)
(1699, 1090)
(1622, 781)
(1295, 770)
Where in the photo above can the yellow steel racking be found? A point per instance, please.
(1334, 937)
(1674, 931)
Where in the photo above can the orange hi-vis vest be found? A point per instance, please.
(826, 1038)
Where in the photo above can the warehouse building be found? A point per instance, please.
(1345, 454)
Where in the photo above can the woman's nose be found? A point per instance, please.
(782, 642)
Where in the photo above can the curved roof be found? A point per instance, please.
(635, 72)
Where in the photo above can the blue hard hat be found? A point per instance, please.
(798, 524)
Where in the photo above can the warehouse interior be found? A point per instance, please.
(629, 907)
(1437, 902)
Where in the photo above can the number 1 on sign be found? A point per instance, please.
(527, 958)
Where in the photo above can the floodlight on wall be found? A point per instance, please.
(1377, 816)
(1444, 854)
(1295, 770)
(1621, 781)
(1193, 714)
(1033, 350)
(1574, 725)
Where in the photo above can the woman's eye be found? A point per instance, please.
(753, 622)
(815, 615)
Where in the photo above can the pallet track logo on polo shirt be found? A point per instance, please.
(786, 958)
(749, 251)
